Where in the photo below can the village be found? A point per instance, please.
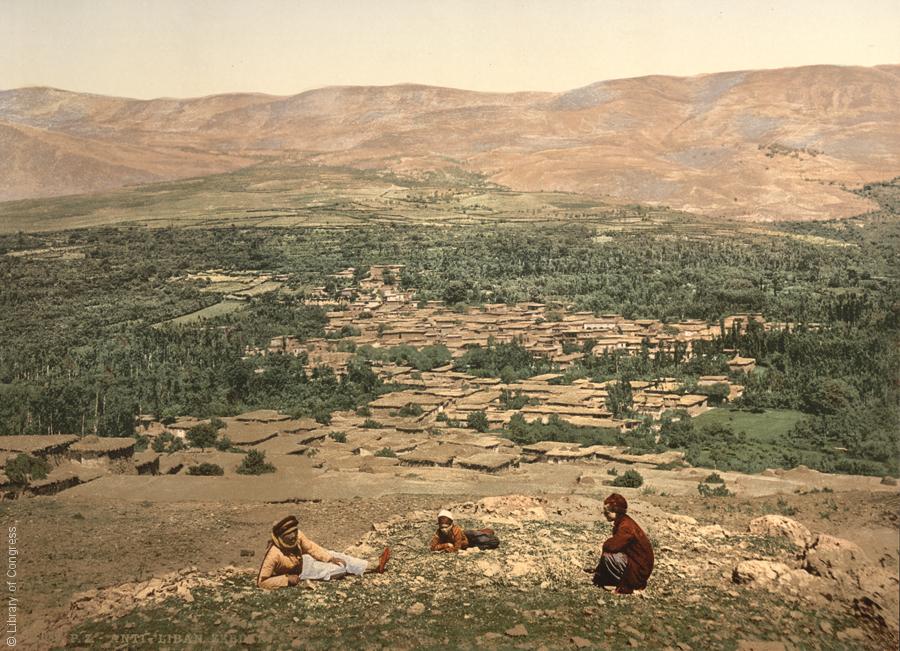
(431, 420)
(383, 317)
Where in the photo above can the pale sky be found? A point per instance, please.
(189, 48)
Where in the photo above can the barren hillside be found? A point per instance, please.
(765, 145)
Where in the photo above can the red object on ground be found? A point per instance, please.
(383, 559)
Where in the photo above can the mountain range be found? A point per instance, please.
(758, 145)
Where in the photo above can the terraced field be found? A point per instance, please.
(279, 195)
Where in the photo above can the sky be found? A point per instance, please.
(190, 48)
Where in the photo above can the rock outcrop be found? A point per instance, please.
(831, 570)
(778, 526)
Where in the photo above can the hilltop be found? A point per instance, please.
(758, 145)
(729, 574)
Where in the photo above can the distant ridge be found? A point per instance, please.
(763, 145)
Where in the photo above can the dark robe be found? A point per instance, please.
(629, 539)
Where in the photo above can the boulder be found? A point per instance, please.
(185, 593)
(775, 575)
(759, 572)
(517, 631)
(489, 568)
(834, 557)
(712, 532)
(779, 526)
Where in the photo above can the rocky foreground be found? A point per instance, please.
(776, 586)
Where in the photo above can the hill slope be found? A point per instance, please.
(774, 144)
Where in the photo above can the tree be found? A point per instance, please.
(255, 464)
(679, 433)
(455, 292)
(619, 399)
(716, 393)
(478, 421)
(202, 436)
(322, 415)
(24, 468)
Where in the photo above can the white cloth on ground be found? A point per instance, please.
(314, 570)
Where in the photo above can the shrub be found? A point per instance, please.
(223, 444)
(784, 508)
(368, 423)
(513, 401)
(24, 468)
(709, 491)
(141, 442)
(348, 330)
(202, 436)
(628, 479)
(255, 464)
(386, 452)
(206, 470)
(338, 437)
(322, 416)
(714, 478)
(671, 465)
(478, 421)
(410, 409)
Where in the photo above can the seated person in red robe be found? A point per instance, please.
(627, 557)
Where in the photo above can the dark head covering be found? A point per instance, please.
(283, 527)
(617, 503)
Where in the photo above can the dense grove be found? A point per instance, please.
(83, 350)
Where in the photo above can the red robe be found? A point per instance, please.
(629, 539)
(454, 540)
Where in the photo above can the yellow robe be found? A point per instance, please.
(278, 565)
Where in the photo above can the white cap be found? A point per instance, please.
(445, 514)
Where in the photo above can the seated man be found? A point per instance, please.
(627, 558)
(448, 537)
(291, 557)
